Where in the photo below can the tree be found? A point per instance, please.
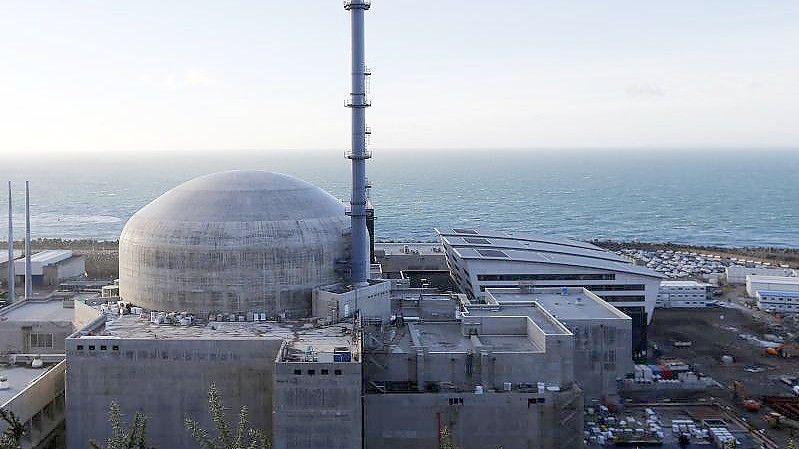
(445, 439)
(11, 437)
(245, 436)
(791, 444)
(122, 436)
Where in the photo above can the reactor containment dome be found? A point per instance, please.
(247, 241)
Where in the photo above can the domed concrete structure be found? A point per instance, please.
(233, 242)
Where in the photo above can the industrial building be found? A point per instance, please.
(50, 267)
(32, 365)
(778, 301)
(736, 274)
(683, 294)
(755, 283)
(479, 260)
(244, 241)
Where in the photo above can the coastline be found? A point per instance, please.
(102, 256)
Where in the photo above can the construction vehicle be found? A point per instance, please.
(784, 350)
(747, 402)
(779, 421)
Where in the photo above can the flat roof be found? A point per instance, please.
(523, 237)
(684, 284)
(577, 304)
(33, 311)
(448, 337)
(19, 377)
(789, 280)
(502, 243)
(398, 249)
(298, 334)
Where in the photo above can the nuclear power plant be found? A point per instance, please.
(272, 290)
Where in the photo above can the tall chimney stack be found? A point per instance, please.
(28, 277)
(12, 294)
(358, 152)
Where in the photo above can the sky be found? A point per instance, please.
(154, 75)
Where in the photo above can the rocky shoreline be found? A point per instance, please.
(102, 256)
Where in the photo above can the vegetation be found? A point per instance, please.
(13, 434)
(245, 437)
(122, 436)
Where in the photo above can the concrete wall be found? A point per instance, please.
(476, 421)
(168, 380)
(602, 353)
(84, 314)
(40, 406)
(321, 410)
(15, 336)
(70, 268)
(373, 301)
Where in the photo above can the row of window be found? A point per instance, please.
(593, 288)
(530, 401)
(102, 347)
(547, 277)
(312, 372)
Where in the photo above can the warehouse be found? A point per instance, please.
(736, 274)
(50, 267)
(755, 283)
(486, 259)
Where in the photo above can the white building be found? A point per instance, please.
(485, 259)
(736, 274)
(778, 301)
(683, 294)
(773, 283)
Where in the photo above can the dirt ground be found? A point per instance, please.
(714, 332)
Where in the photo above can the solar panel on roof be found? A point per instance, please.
(465, 231)
(477, 240)
(491, 253)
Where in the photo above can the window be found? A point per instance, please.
(548, 277)
(80, 347)
(41, 340)
(91, 347)
(325, 372)
(297, 372)
(337, 372)
(311, 372)
(115, 348)
(103, 347)
(455, 401)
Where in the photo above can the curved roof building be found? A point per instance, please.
(235, 241)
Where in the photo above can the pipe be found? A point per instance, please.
(28, 276)
(358, 154)
(12, 294)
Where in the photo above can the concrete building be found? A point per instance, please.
(683, 294)
(479, 260)
(755, 283)
(397, 257)
(36, 397)
(602, 334)
(35, 327)
(338, 302)
(50, 267)
(165, 370)
(245, 241)
(736, 274)
(778, 301)
(492, 379)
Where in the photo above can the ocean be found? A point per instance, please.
(725, 198)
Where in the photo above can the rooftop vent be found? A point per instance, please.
(465, 231)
